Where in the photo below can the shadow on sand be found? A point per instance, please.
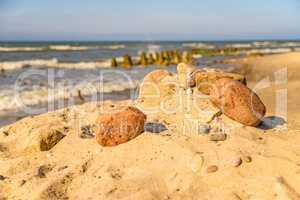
(271, 122)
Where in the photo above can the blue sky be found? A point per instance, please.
(149, 20)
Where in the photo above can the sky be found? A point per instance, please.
(149, 20)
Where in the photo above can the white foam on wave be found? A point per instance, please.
(19, 49)
(291, 44)
(262, 43)
(239, 45)
(152, 48)
(114, 47)
(49, 48)
(12, 65)
(12, 100)
(60, 48)
(269, 51)
(69, 48)
(198, 45)
(276, 44)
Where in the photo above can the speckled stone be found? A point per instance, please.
(119, 127)
(237, 101)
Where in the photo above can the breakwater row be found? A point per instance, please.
(163, 58)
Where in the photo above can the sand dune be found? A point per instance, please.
(51, 156)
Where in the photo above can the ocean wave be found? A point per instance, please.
(60, 48)
(198, 45)
(290, 44)
(69, 48)
(152, 48)
(115, 47)
(262, 44)
(12, 100)
(276, 44)
(12, 65)
(239, 45)
(269, 51)
(48, 48)
(19, 49)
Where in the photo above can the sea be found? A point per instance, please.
(38, 77)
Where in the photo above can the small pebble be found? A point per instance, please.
(87, 132)
(22, 182)
(247, 159)
(212, 169)
(62, 168)
(5, 133)
(236, 162)
(217, 137)
(154, 127)
(203, 128)
(2, 178)
(43, 170)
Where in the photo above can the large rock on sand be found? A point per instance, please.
(205, 78)
(119, 127)
(237, 101)
(155, 88)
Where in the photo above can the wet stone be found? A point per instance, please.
(151, 59)
(127, 62)
(114, 62)
(143, 59)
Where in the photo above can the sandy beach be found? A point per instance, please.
(165, 165)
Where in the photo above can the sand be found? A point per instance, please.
(169, 165)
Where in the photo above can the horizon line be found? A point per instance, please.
(159, 40)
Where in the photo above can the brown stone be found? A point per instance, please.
(119, 127)
(212, 169)
(237, 101)
(217, 137)
(206, 78)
